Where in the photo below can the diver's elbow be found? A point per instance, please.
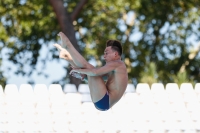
(95, 73)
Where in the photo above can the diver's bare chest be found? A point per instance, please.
(111, 77)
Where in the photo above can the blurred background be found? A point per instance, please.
(160, 38)
(161, 44)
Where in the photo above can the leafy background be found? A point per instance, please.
(161, 39)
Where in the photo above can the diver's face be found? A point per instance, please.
(109, 54)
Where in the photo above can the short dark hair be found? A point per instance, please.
(115, 45)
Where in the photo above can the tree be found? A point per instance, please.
(25, 42)
(65, 20)
(151, 32)
(149, 75)
(27, 25)
(24, 29)
(166, 29)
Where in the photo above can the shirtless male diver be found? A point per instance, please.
(103, 94)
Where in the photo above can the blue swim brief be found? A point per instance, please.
(103, 104)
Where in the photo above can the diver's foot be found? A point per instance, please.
(65, 41)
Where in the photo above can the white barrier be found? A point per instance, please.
(143, 108)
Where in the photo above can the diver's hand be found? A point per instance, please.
(63, 53)
(78, 75)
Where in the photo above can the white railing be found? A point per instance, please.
(143, 108)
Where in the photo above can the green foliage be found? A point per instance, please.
(181, 78)
(100, 19)
(24, 28)
(163, 27)
(149, 75)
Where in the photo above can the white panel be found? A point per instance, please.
(186, 88)
(11, 89)
(157, 88)
(197, 88)
(130, 88)
(172, 88)
(83, 88)
(70, 88)
(142, 88)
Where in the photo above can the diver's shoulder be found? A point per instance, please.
(120, 62)
(117, 61)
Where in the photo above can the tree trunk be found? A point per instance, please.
(67, 28)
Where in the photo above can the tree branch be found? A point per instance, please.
(65, 22)
(191, 56)
(61, 14)
(77, 9)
